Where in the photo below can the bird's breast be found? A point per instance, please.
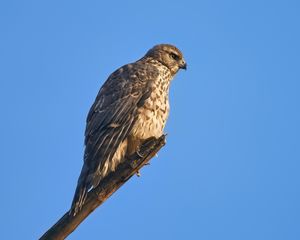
(152, 117)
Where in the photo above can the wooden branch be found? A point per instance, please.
(68, 223)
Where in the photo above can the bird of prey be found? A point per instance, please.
(131, 106)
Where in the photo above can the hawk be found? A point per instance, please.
(131, 106)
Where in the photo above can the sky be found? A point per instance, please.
(230, 169)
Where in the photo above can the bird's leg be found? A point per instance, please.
(138, 152)
(141, 153)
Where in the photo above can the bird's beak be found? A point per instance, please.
(183, 65)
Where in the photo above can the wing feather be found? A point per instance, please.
(110, 121)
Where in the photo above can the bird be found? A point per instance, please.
(131, 106)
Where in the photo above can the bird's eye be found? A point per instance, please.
(174, 56)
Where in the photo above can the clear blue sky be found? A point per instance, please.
(230, 169)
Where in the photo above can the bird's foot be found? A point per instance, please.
(138, 152)
(138, 173)
(134, 163)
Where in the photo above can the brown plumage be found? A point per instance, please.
(131, 106)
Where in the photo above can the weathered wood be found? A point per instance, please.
(68, 223)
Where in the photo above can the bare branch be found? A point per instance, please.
(68, 223)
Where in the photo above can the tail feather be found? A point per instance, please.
(81, 192)
(78, 201)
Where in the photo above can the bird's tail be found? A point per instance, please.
(81, 192)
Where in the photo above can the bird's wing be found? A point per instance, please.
(110, 120)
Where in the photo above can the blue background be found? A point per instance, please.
(230, 169)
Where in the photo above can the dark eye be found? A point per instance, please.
(174, 56)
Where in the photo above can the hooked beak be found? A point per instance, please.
(183, 65)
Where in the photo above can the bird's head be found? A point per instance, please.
(168, 55)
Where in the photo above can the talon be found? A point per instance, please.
(139, 154)
(138, 173)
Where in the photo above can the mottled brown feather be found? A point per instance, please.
(131, 105)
